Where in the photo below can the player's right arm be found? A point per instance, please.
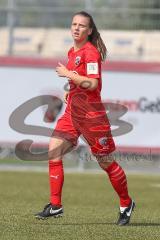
(86, 82)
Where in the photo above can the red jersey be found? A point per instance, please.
(85, 62)
(85, 113)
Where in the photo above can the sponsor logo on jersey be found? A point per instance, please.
(77, 60)
(92, 68)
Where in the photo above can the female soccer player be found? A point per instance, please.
(84, 115)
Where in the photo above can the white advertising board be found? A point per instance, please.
(139, 91)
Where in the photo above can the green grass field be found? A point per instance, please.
(90, 206)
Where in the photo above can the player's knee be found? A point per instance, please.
(55, 151)
(55, 154)
(58, 148)
(104, 161)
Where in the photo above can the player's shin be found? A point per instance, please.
(56, 179)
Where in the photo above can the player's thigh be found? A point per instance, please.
(65, 129)
(58, 147)
(100, 140)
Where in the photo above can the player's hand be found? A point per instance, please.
(61, 70)
(65, 98)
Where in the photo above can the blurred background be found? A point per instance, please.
(35, 35)
(40, 28)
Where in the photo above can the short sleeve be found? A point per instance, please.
(92, 64)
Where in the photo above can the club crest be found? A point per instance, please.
(103, 141)
(77, 60)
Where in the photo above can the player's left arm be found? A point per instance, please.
(89, 83)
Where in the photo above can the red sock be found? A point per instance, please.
(119, 182)
(56, 177)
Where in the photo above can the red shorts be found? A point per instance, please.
(95, 129)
